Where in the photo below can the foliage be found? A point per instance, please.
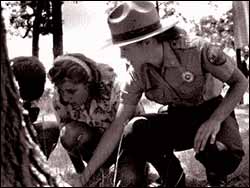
(167, 8)
(219, 31)
(22, 16)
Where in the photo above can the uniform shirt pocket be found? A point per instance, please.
(192, 90)
(161, 95)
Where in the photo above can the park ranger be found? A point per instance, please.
(185, 73)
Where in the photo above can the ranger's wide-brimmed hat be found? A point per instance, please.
(134, 21)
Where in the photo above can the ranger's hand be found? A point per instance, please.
(209, 129)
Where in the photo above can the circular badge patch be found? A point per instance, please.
(187, 76)
(216, 56)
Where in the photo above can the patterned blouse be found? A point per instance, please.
(102, 112)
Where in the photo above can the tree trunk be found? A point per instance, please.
(241, 23)
(36, 29)
(241, 30)
(57, 28)
(22, 162)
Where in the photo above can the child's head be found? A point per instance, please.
(30, 74)
(76, 78)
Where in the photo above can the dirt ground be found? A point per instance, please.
(195, 172)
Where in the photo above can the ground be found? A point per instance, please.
(195, 173)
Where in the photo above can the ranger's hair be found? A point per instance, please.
(171, 34)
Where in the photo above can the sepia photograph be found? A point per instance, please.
(124, 93)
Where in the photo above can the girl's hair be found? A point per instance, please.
(76, 73)
(30, 74)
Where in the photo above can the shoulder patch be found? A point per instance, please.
(215, 55)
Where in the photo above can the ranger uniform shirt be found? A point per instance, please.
(193, 71)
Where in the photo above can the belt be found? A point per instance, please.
(176, 105)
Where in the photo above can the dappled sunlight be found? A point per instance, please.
(59, 161)
(242, 115)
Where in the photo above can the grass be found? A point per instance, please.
(195, 172)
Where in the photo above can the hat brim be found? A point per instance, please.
(166, 24)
